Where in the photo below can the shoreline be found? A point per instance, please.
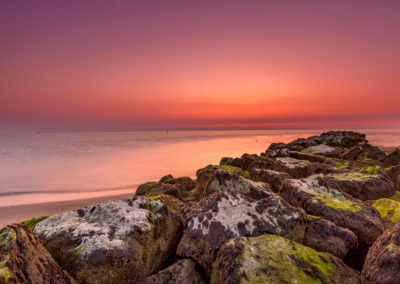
(18, 213)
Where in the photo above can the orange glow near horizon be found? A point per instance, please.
(190, 65)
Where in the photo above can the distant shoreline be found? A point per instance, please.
(19, 213)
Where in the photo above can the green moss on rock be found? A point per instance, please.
(389, 210)
(396, 196)
(32, 222)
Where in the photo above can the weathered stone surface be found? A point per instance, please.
(307, 156)
(352, 153)
(280, 153)
(363, 186)
(346, 139)
(248, 162)
(393, 173)
(324, 235)
(376, 155)
(114, 241)
(274, 178)
(389, 211)
(382, 264)
(222, 216)
(318, 168)
(180, 188)
(23, 259)
(229, 182)
(295, 168)
(320, 197)
(392, 159)
(275, 146)
(181, 272)
(323, 150)
(274, 259)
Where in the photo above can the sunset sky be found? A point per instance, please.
(69, 64)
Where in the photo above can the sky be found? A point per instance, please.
(156, 64)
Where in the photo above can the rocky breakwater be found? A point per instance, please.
(314, 210)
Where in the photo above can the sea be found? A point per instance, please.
(57, 166)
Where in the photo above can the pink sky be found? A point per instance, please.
(199, 64)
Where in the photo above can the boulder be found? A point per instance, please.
(323, 150)
(319, 197)
(274, 178)
(247, 162)
(382, 264)
(324, 235)
(389, 211)
(376, 155)
(222, 216)
(115, 241)
(181, 272)
(363, 186)
(393, 173)
(392, 159)
(275, 146)
(274, 259)
(345, 139)
(233, 183)
(295, 168)
(180, 188)
(307, 156)
(352, 153)
(23, 259)
(280, 153)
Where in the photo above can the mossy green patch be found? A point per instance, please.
(32, 222)
(245, 174)
(285, 261)
(354, 176)
(338, 202)
(5, 272)
(341, 165)
(371, 170)
(396, 196)
(168, 201)
(392, 247)
(388, 209)
(395, 150)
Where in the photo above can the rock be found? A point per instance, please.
(247, 162)
(180, 188)
(274, 178)
(376, 155)
(389, 210)
(323, 150)
(307, 156)
(280, 153)
(275, 146)
(23, 259)
(181, 272)
(345, 139)
(233, 183)
(222, 216)
(274, 259)
(115, 241)
(295, 168)
(382, 264)
(393, 173)
(352, 153)
(324, 235)
(319, 197)
(317, 168)
(301, 143)
(363, 186)
(392, 159)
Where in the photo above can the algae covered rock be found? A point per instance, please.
(233, 183)
(181, 272)
(389, 211)
(323, 150)
(294, 167)
(319, 197)
(221, 216)
(114, 241)
(274, 259)
(394, 174)
(364, 186)
(307, 156)
(274, 178)
(23, 259)
(180, 188)
(382, 264)
(352, 153)
(324, 235)
(393, 158)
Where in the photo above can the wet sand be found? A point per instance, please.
(18, 213)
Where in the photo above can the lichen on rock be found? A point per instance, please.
(274, 259)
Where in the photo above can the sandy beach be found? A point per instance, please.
(18, 213)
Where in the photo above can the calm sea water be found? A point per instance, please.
(44, 167)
